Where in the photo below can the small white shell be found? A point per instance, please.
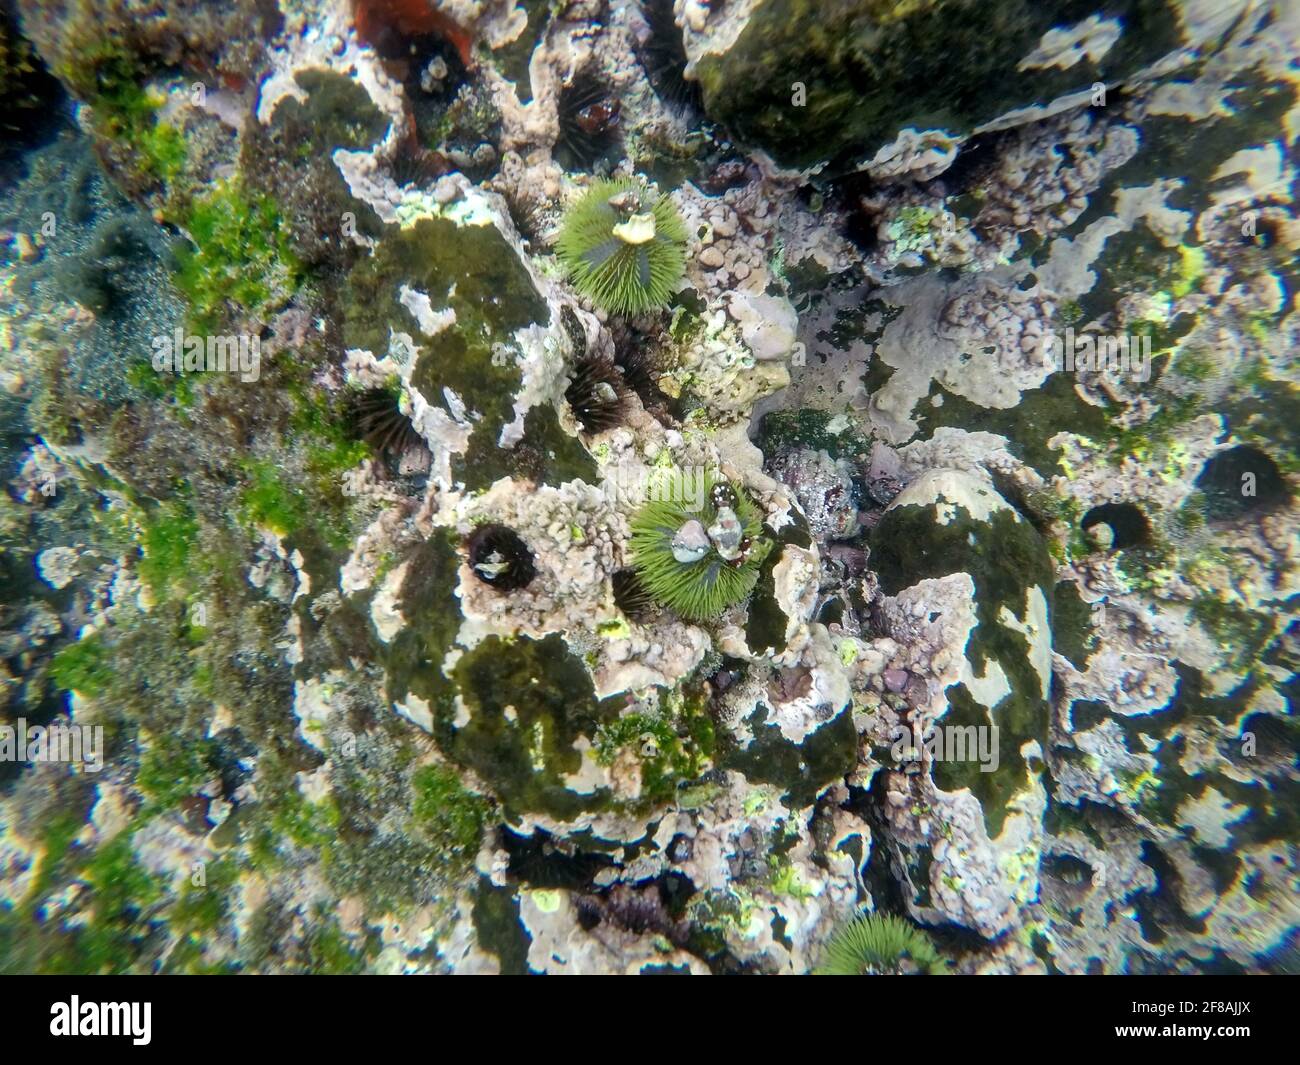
(639, 229)
(691, 542)
(727, 534)
(492, 567)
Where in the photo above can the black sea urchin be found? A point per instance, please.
(596, 392)
(663, 56)
(500, 558)
(377, 418)
(641, 363)
(631, 596)
(413, 164)
(590, 120)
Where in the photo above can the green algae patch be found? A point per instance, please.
(497, 925)
(765, 622)
(1266, 413)
(269, 501)
(123, 908)
(201, 908)
(673, 747)
(337, 113)
(291, 160)
(1271, 796)
(473, 271)
(1040, 415)
(167, 545)
(84, 666)
(1004, 555)
(1254, 109)
(115, 938)
(428, 601)
(283, 820)
(329, 952)
(1242, 633)
(819, 430)
(240, 258)
(1018, 716)
(529, 701)
(510, 710)
(1073, 634)
(172, 769)
(408, 833)
(447, 814)
(123, 111)
(130, 117)
(300, 495)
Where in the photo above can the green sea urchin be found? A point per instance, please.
(877, 944)
(623, 246)
(696, 544)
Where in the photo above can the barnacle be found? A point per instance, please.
(875, 944)
(623, 247)
(696, 543)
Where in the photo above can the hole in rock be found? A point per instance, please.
(1127, 522)
(1240, 480)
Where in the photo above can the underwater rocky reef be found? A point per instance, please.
(649, 486)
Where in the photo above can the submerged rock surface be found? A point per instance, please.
(324, 646)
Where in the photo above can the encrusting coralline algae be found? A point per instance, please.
(680, 465)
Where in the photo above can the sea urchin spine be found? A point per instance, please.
(630, 595)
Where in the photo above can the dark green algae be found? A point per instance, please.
(548, 688)
(472, 270)
(872, 67)
(1005, 557)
